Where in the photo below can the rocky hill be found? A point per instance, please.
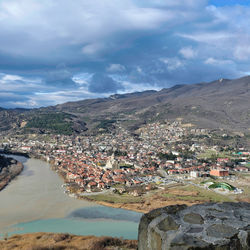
(221, 104)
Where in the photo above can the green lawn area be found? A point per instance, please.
(211, 154)
(115, 198)
(204, 195)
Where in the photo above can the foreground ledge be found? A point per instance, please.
(213, 226)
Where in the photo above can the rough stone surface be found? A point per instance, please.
(193, 219)
(221, 231)
(215, 226)
(168, 224)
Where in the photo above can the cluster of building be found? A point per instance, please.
(95, 163)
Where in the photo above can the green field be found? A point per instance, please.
(203, 195)
(115, 198)
(211, 154)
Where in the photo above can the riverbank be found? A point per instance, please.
(35, 202)
(170, 195)
(35, 195)
(64, 241)
(142, 204)
(9, 170)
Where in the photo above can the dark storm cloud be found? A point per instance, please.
(61, 77)
(112, 46)
(101, 83)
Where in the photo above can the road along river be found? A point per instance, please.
(35, 202)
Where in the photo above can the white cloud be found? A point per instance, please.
(226, 35)
(187, 52)
(92, 49)
(58, 97)
(113, 68)
(146, 43)
(209, 37)
(173, 63)
(213, 61)
(30, 28)
(242, 52)
(82, 78)
(132, 87)
(11, 78)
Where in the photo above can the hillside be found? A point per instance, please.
(221, 104)
(9, 169)
(47, 241)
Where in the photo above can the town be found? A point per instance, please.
(155, 155)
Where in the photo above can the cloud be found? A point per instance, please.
(187, 52)
(92, 49)
(215, 62)
(207, 37)
(18, 91)
(60, 77)
(66, 50)
(49, 29)
(7, 78)
(113, 68)
(101, 83)
(242, 51)
(173, 63)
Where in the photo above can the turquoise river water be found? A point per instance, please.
(35, 202)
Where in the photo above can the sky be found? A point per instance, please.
(57, 51)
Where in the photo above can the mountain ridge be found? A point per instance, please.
(220, 104)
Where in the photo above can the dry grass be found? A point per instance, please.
(50, 241)
(172, 195)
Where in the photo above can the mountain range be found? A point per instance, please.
(221, 104)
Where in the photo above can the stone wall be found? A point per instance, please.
(213, 226)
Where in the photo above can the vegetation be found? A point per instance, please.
(186, 194)
(115, 198)
(43, 241)
(4, 162)
(105, 124)
(54, 122)
(213, 155)
(163, 156)
(202, 195)
(120, 153)
(9, 169)
(187, 154)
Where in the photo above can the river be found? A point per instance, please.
(35, 202)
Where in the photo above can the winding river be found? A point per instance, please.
(35, 202)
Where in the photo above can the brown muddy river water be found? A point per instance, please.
(35, 202)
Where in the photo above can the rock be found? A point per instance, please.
(183, 242)
(193, 218)
(221, 231)
(195, 230)
(214, 226)
(168, 224)
(155, 241)
(61, 237)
